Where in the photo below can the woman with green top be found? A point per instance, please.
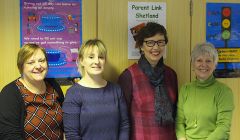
(205, 105)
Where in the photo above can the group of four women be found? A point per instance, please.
(146, 105)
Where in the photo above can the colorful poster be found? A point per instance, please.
(56, 25)
(139, 13)
(223, 30)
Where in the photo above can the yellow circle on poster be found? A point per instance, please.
(226, 23)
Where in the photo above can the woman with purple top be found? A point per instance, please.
(94, 109)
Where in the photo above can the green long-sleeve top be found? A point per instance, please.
(204, 110)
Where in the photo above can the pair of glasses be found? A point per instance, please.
(151, 43)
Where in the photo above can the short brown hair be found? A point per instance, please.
(26, 52)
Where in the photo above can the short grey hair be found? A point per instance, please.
(203, 49)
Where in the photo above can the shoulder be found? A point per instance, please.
(113, 86)
(125, 74)
(54, 84)
(74, 91)
(169, 70)
(185, 91)
(224, 96)
(185, 87)
(10, 94)
(73, 94)
(170, 75)
(128, 70)
(133, 67)
(223, 88)
(10, 85)
(74, 87)
(57, 88)
(10, 90)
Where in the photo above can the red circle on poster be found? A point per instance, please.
(226, 12)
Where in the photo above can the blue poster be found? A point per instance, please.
(55, 25)
(223, 30)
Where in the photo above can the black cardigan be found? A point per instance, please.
(13, 111)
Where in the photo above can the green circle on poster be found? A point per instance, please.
(226, 34)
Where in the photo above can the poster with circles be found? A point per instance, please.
(223, 30)
(55, 25)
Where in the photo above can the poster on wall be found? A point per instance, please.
(223, 30)
(55, 25)
(139, 13)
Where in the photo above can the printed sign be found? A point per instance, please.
(223, 30)
(139, 13)
(55, 25)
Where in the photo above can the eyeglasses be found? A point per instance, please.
(151, 43)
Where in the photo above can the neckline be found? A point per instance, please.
(206, 82)
(93, 87)
(27, 88)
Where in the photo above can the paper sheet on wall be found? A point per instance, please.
(56, 25)
(139, 13)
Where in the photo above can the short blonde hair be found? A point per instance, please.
(90, 44)
(26, 52)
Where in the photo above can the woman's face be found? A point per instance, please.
(93, 63)
(35, 68)
(203, 66)
(153, 48)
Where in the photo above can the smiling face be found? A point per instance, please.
(35, 67)
(93, 62)
(204, 66)
(153, 48)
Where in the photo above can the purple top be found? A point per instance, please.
(95, 113)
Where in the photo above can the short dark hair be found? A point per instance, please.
(149, 30)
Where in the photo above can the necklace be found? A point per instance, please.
(196, 110)
(38, 88)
